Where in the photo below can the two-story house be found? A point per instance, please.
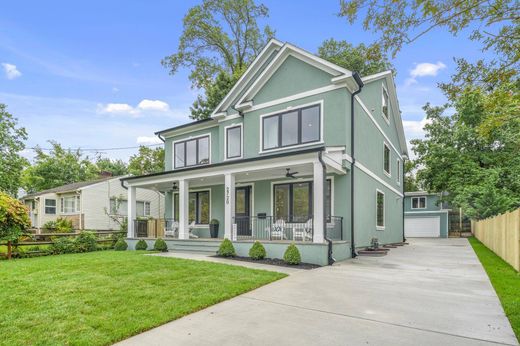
(300, 150)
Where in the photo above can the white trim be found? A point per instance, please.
(189, 129)
(383, 90)
(376, 76)
(226, 128)
(399, 172)
(197, 225)
(419, 202)
(229, 117)
(376, 177)
(381, 228)
(287, 109)
(252, 184)
(377, 125)
(347, 157)
(427, 212)
(187, 139)
(389, 172)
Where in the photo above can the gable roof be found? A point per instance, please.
(68, 187)
(388, 75)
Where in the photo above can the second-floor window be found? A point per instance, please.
(191, 152)
(418, 202)
(386, 159)
(294, 127)
(234, 142)
(398, 171)
(385, 105)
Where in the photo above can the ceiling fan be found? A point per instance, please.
(290, 174)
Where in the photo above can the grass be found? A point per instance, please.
(504, 279)
(102, 297)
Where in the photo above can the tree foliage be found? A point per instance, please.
(14, 219)
(410, 180)
(147, 161)
(56, 168)
(12, 140)
(365, 60)
(115, 167)
(220, 37)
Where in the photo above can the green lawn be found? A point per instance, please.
(505, 280)
(98, 298)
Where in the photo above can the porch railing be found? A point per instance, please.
(156, 228)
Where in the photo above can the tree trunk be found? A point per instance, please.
(9, 250)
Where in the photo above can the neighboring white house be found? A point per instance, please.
(91, 205)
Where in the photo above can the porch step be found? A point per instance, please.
(194, 246)
(372, 252)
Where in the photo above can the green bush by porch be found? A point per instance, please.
(257, 251)
(160, 289)
(141, 245)
(226, 249)
(292, 255)
(160, 245)
(121, 245)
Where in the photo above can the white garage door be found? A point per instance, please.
(427, 226)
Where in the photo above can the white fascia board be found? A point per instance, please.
(272, 45)
(189, 129)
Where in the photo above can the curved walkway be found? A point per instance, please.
(432, 292)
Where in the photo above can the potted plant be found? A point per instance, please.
(213, 228)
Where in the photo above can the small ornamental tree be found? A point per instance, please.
(14, 220)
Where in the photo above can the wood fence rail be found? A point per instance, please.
(501, 234)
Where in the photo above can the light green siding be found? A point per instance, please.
(431, 203)
(433, 208)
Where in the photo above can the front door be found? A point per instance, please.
(243, 211)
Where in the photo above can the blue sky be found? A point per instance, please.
(89, 75)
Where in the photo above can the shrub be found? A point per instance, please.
(49, 226)
(226, 249)
(61, 225)
(257, 251)
(141, 245)
(121, 245)
(85, 242)
(160, 245)
(62, 245)
(292, 255)
(116, 236)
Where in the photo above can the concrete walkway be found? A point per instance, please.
(432, 292)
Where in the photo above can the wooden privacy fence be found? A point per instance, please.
(502, 235)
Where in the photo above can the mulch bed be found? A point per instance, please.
(274, 262)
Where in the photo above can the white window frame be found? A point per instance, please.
(383, 91)
(381, 228)
(226, 157)
(419, 202)
(287, 109)
(55, 206)
(389, 173)
(75, 209)
(187, 139)
(398, 173)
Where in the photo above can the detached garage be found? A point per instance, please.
(424, 217)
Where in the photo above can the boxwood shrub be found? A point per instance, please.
(85, 242)
(257, 251)
(226, 249)
(160, 245)
(141, 245)
(121, 245)
(292, 255)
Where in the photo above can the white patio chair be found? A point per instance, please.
(172, 230)
(278, 230)
(190, 228)
(307, 231)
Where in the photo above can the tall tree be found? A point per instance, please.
(114, 167)
(410, 180)
(12, 140)
(56, 168)
(146, 161)
(14, 220)
(219, 37)
(365, 60)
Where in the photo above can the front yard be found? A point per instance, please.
(504, 279)
(98, 298)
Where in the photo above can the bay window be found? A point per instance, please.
(191, 152)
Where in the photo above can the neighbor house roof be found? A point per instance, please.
(68, 187)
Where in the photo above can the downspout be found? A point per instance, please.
(404, 189)
(353, 155)
(330, 259)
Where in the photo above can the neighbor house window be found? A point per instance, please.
(398, 171)
(70, 204)
(50, 206)
(380, 210)
(293, 201)
(234, 142)
(198, 207)
(291, 128)
(418, 202)
(386, 158)
(385, 105)
(142, 209)
(120, 207)
(191, 152)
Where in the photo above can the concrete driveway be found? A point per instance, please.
(432, 292)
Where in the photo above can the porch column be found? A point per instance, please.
(131, 201)
(318, 202)
(184, 192)
(229, 207)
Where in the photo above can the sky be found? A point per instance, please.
(88, 74)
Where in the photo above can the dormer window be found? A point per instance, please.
(191, 152)
(291, 128)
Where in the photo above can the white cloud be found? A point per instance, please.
(11, 72)
(414, 128)
(427, 69)
(147, 140)
(116, 108)
(115, 89)
(153, 105)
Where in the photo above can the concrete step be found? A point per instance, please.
(372, 253)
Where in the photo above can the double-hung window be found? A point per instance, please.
(192, 152)
(120, 207)
(294, 127)
(70, 204)
(385, 105)
(234, 142)
(142, 209)
(386, 159)
(380, 210)
(198, 207)
(418, 202)
(50, 206)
